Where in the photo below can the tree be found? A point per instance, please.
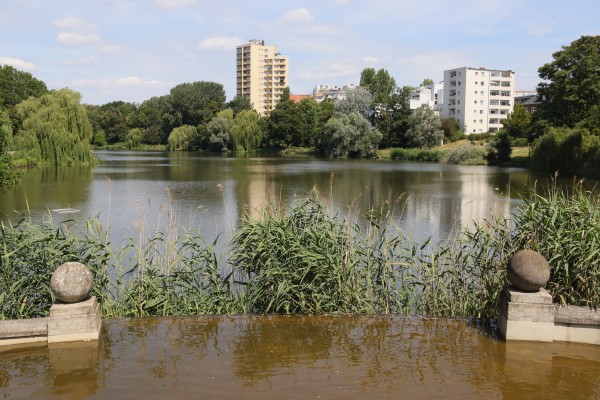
(392, 121)
(357, 100)
(349, 135)
(424, 128)
(16, 86)
(246, 131)
(500, 148)
(239, 104)
(8, 175)
(571, 91)
(196, 103)
(518, 123)
(179, 139)
(380, 84)
(450, 128)
(218, 130)
(55, 129)
(427, 81)
(134, 138)
(284, 123)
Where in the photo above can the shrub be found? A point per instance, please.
(467, 154)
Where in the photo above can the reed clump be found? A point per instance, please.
(308, 259)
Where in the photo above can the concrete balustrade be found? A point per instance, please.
(74, 318)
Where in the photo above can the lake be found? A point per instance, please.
(132, 190)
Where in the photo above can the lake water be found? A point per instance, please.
(300, 357)
(129, 190)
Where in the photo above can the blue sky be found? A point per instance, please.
(132, 50)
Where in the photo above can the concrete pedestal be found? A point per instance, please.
(75, 321)
(526, 315)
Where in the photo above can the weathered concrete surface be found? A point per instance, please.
(72, 282)
(577, 324)
(22, 331)
(528, 270)
(526, 315)
(73, 322)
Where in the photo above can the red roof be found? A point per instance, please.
(297, 98)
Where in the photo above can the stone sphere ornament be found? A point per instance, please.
(71, 282)
(528, 270)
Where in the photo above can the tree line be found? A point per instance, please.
(39, 126)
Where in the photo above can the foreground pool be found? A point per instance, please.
(299, 357)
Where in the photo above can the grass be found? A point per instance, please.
(306, 259)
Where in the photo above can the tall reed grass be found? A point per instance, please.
(307, 259)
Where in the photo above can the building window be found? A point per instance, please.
(480, 102)
(480, 111)
(481, 121)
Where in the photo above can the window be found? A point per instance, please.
(481, 83)
(481, 92)
(481, 121)
(480, 111)
(481, 102)
(532, 109)
(475, 102)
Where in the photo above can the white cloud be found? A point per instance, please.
(174, 4)
(74, 38)
(221, 43)
(112, 48)
(17, 63)
(370, 59)
(73, 24)
(297, 16)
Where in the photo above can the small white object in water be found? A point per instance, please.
(65, 210)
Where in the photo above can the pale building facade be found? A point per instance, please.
(262, 74)
(430, 95)
(478, 98)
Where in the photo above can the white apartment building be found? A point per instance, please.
(431, 95)
(478, 98)
(262, 74)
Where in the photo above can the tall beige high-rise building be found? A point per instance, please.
(262, 74)
(478, 98)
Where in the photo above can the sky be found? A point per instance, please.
(132, 50)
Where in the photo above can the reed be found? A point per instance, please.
(307, 259)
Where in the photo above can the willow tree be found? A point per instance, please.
(246, 131)
(180, 137)
(55, 129)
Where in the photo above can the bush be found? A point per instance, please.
(417, 155)
(467, 154)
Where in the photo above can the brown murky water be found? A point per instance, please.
(300, 357)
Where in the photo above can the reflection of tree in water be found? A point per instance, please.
(26, 368)
(267, 346)
(159, 344)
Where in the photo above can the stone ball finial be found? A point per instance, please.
(528, 270)
(71, 282)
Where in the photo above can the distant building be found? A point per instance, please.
(430, 95)
(531, 102)
(297, 98)
(322, 92)
(478, 98)
(262, 74)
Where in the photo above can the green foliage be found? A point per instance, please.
(284, 124)
(247, 131)
(467, 154)
(239, 104)
(55, 129)
(134, 138)
(380, 84)
(567, 151)
(392, 121)
(308, 260)
(571, 86)
(518, 123)
(451, 131)
(219, 131)
(179, 139)
(427, 81)
(196, 103)
(417, 155)
(501, 149)
(16, 86)
(349, 135)
(424, 128)
(357, 100)
(99, 138)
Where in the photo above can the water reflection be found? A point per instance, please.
(345, 356)
(213, 193)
